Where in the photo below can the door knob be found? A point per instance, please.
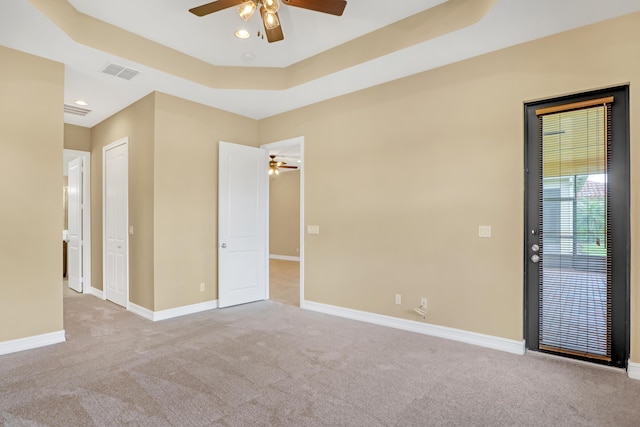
(535, 258)
(223, 246)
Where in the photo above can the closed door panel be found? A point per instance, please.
(577, 261)
(116, 223)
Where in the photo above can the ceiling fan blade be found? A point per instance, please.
(288, 167)
(333, 7)
(215, 6)
(273, 34)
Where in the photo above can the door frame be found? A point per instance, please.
(621, 216)
(85, 156)
(123, 141)
(287, 143)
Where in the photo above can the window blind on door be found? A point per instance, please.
(574, 271)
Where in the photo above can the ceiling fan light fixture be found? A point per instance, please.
(243, 34)
(271, 6)
(247, 9)
(270, 20)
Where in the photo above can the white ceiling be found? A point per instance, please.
(307, 33)
(211, 38)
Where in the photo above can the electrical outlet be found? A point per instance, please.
(202, 288)
(398, 299)
(423, 303)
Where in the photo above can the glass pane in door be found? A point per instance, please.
(573, 273)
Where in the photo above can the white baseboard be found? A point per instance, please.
(284, 257)
(489, 341)
(96, 292)
(140, 311)
(633, 370)
(28, 343)
(172, 312)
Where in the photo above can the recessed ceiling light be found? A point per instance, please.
(81, 102)
(243, 34)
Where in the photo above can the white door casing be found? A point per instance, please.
(243, 253)
(74, 209)
(115, 228)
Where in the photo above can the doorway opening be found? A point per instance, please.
(76, 233)
(577, 232)
(286, 222)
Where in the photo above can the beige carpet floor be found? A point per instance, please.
(271, 364)
(284, 281)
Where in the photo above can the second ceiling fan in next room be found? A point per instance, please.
(269, 11)
(276, 165)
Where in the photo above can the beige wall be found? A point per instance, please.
(30, 214)
(186, 196)
(77, 138)
(430, 158)
(173, 182)
(284, 214)
(137, 123)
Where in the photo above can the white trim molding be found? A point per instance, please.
(96, 292)
(172, 312)
(29, 343)
(285, 257)
(633, 370)
(140, 311)
(489, 341)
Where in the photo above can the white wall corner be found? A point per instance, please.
(172, 312)
(284, 257)
(633, 370)
(489, 341)
(29, 343)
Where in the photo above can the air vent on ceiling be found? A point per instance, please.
(120, 71)
(78, 111)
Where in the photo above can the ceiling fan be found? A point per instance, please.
(269, 11)
(275, 165)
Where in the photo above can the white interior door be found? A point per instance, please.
(242, 224)
(116, 223)
(74, 209)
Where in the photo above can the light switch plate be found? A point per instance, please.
(313, 229)
(484, 231)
